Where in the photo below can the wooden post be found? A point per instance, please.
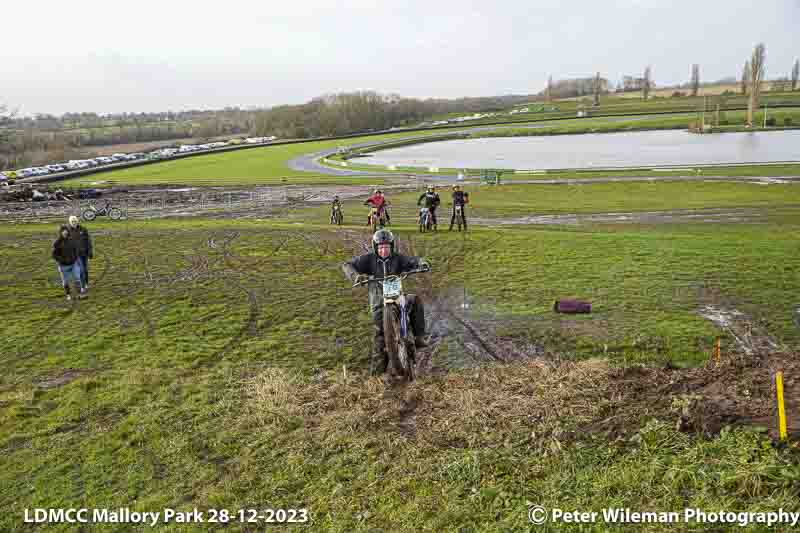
(781, 407)
(717, 351)
(703, 126)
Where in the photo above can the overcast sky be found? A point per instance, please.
(110, 56)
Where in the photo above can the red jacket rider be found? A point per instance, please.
(379, 201)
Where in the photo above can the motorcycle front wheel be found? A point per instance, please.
(401, 354)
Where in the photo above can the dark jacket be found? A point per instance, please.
(64, 251)
(432, 200)
(372, 265)
(460, 198)
(82, 240)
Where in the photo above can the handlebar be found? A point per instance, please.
(403, 275)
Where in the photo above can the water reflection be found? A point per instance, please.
(599, 150)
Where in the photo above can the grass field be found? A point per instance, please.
(206, 368)
(628, 103)
(518, 200)
(255, 166)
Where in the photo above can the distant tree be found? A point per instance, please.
(695, 79)
(781, 85)
(596, 89)
(756, 75)
(646, 83)
(721, 101)
(549, 95)
(745, 77)
(795, 73)
(6, 148)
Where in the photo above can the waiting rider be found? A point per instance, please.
(381, 262)
(336, 204)
(432, 201)
(378, 201)
(459, 198)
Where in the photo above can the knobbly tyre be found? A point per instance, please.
(375, 221)
(397, 323)
(459, 217)
(90, 213)
(425, 220)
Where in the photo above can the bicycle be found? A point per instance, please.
(114, 213)
(397, 330)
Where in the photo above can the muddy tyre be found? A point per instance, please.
(401, 355)
(115, 213)
(89, 215)
(460, 220)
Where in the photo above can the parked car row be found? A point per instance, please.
(80, 164)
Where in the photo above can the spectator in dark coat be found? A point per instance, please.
(65, 252)
(83, 243)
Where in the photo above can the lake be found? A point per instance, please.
(645, 148)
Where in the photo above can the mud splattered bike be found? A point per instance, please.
(397, 330)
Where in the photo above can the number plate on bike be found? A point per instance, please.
(392, 288)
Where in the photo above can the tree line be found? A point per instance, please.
(45, 139)
(364, 111)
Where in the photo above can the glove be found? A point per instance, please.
(361, 278)
(424, 265)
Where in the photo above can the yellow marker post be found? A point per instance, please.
(717, 354)
(781, 407)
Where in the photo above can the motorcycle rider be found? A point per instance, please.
(459, 198)
(381, 262)
(378, 200)
(432, 201)
(336, 204)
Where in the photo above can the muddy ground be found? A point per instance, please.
(739, 390)
(708, 215)
(213, 202)
(271, 201)
(736, 388)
